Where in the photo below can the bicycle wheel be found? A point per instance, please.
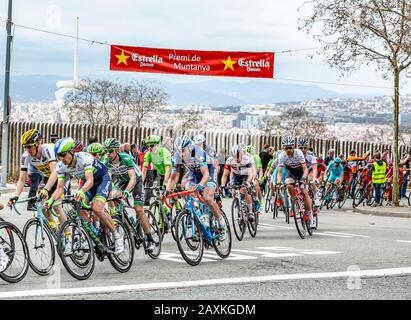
(189, 238)
(267, 205)
(221, 237)
(157, 209)
(123, 261)
(252, 226)
(358, 198)
(286, 206)
(237, 217)
(174, 211)
(299, 220)
(409, 199)
(80, 263)
(40, 244)
(155, 233)
(342, 199)
(275, 204)
(14, 246)
(333, 199)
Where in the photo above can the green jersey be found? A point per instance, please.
(119, 171)
(160, 160)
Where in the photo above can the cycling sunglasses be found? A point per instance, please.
(62, 154)
(29, 146)
(302, 148)
(288, 148)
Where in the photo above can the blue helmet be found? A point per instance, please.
(337, 160)
(302, 142)
(64, 145)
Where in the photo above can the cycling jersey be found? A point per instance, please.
(119, 171)
(293, 163)
(197, 159)
(83, 162)
(258, 163)
(42, 164)
(160, 160)
(310, 160)
(335, 172)
(241, 168)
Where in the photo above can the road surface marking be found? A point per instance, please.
(207, 282)
(331, 235)
(347, 234)
(269, 254)
(302, 251)
(404, 241)
(272, 226)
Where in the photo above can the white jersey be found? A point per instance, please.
(84, 162)
(294, 162)
(43, 164)
(242, 168)
(310, 159)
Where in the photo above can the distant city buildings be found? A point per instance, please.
(347, 119)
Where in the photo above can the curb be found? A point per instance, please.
(385, 214)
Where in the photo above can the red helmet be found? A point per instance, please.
(78, 147)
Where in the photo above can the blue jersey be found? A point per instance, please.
(197, 159)
(335, 171)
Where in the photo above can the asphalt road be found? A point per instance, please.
(351, 256)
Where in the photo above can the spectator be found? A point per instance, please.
(386, 156)
(127, 148)
(379, 168)
(92, 140)
(329, 157)
(405, 164)
(266, 155)
(54, 137)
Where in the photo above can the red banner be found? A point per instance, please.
(192, 62)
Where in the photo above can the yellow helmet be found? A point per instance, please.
(30, 137)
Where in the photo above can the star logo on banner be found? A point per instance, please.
(122, 58)
(229, 64)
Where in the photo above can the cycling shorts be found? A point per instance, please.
(238, 179)
(101, 189)
(332, 178)
(138, 191)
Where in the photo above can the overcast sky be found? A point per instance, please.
(257, 25)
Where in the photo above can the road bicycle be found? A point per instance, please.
(13, 245)
(239, 214)
(135, 228)
(281, 201)
(301, 219)
(165, 213)
(40, 237)
(197, 229)
(89, 242)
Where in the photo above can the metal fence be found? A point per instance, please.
(219, 139)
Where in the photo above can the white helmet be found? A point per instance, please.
(182, 142)
(200, 138)
(287, 141)
(236, 149)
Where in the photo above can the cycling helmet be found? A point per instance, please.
(78, 146)
(182, 142)
(30, 137)
(287, 141)
(111, 144)
(344, 162)
(95, 148)
(337, 160)
(64, 145)
(302, 142)
(200, 138)
(152, 140)
(250, 149)
(235, 151)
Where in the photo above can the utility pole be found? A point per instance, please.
(6, 101)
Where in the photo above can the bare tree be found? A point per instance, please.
(191, 119)
(358, 32)
(143, 98)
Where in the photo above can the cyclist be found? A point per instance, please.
(241, 166)
(335, 173)
(294, 161)
(41, 157)
(158, 156)
(126, 176)
(259, 170)
(96, 150)
(311, 161)
(212, 161)
(96, 188)
(194, 159)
